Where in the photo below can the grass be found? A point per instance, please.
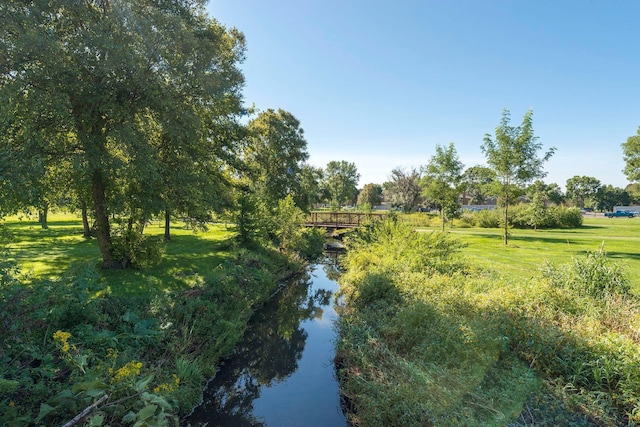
(527, 249)
(427, 341)
(47, 253)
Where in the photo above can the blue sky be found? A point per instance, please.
(381, 84)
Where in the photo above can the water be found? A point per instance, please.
(282, 373)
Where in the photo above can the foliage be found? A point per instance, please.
(141, 357)
(403, 189)
(137, 250)
(340, 181)
(469, 347)
(631, 151)
(529, 215)
(132, 104)
(370, 195)
(582, 189)
(275, 153)
(594, 276)
(514, 157)
(608, 196)
(442, 179)
(477, 182)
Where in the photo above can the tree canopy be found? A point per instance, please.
(136, 98)
(403, 188)
(341, 180)
(513, 155)
(442, 179)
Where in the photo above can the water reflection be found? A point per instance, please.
(259, 373)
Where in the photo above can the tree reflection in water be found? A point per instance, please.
(269, 353)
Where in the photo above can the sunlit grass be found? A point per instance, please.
(528, 249)
(47, 253)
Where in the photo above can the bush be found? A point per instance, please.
(136, 250)
(488, 218)
(594, 276)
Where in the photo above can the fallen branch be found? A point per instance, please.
(86, 411)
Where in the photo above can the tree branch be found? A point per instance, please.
(86, 411)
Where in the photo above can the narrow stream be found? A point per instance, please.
(282, 373)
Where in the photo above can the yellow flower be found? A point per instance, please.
(62, 338)
(130, 369)
(168, 387)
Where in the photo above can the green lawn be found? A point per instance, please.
(46, 253)
(527, 249)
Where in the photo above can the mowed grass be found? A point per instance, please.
(528, 249)
(48, 253)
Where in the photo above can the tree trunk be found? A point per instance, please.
(43, 214)
(85, 221)
(442, 216)
(505, 232)
(167, 227)
(103, 229)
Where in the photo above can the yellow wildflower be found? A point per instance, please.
(129, 370)
(62, 338)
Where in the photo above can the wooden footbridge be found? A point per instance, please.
(341, 219)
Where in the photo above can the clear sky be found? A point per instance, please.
(381, 83)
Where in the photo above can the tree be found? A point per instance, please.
(608, 196)
(537, 193)
(514, 158)
(477, 182)
(341, 180)
(582, 188)
(442, 179)
(403, 188)
(548, 193)
(311, 185)
(634, 192)
(370, 196)
(631, 151)
(275, 154)
(100, 84)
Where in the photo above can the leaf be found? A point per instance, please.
(142, 384)
(96, 420)
(146, 412)
(129, 417)
(44, 411)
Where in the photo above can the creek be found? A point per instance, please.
(282, 372)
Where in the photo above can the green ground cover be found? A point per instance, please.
(428, 338)
(45, 253)
(142, 342)
(528, 249)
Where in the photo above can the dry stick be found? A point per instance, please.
(86, 411)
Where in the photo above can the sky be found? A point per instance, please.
(381, 83)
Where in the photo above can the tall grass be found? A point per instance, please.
(458, 345)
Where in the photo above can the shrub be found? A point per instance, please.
(594, 276)
(137, 250)
(489, 218)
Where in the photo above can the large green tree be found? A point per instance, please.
(341, 180)
(118, 88)
(580, 189)
(607, 197)
(442, 179)
(403, 188)
(513, 155)
(275, 153)
(370, 196)
(631, 152)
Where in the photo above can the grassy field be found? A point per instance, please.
(43, 253)
(528, 248)
(427, 340)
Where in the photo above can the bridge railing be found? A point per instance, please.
(341, 219)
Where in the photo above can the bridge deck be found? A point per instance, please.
(341, 219)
